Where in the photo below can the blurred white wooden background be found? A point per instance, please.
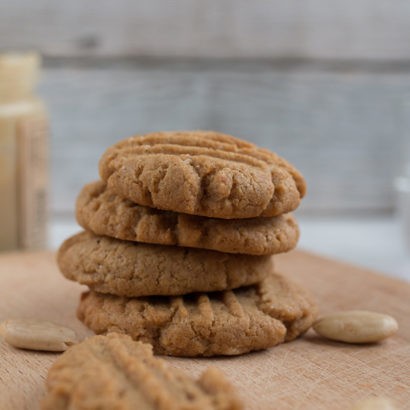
(324, 83)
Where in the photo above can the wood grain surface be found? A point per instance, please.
(310, 373)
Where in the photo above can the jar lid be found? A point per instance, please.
(18, 74)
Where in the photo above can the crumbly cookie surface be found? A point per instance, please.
(115, 372)
(202, 173)
(125, 268)
(221, 323)
(102, 211)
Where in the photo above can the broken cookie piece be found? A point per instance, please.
(115, 372)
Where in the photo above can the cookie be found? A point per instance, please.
(114, 372)
(202, 173)
(220, 323)
(124, 268)
(101, 210)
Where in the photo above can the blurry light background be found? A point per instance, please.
(325, 84)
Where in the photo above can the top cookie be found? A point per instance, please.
(202, 173)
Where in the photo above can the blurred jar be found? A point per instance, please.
(23, 154)
(402, 184)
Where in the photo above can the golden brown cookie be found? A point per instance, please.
(202, 173)
(220, 323)
(124, 268)
(101, 210)
(114, 372)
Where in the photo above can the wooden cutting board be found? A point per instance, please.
(310, 373)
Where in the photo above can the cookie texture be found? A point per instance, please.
(115, 372)
(102, 211)
(124, 268)
(221, 323)
(202, 173)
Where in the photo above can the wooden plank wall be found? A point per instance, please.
(317, 29)
(326, 84)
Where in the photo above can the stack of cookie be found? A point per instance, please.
(178, 246)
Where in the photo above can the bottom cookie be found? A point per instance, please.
(114, 372)
(220, 323)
